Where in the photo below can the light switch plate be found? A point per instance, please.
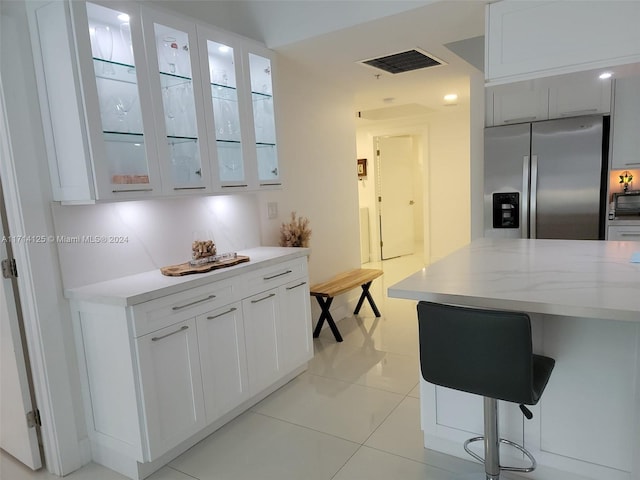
(272, 210)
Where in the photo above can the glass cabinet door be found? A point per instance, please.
(226, 127)
(125, 150)
(173, 47)
(264, 119)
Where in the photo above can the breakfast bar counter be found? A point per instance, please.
(583, 298)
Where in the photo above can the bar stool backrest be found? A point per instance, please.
(485, 352)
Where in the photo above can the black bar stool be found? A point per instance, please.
(488, 353)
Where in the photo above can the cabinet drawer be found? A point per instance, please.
(156, 314)
(624, 233)
(270, 277)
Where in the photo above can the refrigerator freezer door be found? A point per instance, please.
(567, 188)
(506, 150)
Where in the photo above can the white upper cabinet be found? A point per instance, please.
(264, 123)
(560, 96)
(517, 103)
(626, 124)
(139, 103)
(534, 39)
(172, 56)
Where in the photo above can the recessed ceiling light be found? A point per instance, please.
(605, 75)
(450, 97)
(123, 17)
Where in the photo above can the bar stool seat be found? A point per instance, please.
(488, 353)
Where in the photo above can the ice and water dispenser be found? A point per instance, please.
(506, 210)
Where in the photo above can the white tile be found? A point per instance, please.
(361, 363)
(415, 393)
(370, 464)
(12, 469)
(168, 473)
(338, 408)
(257, 447)
(401, 435)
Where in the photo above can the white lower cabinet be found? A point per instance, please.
(630, 233)
(159, 376)
(262, 313)
(223, 360)
(171, 388)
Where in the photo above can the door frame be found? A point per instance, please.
(63, 451)
(21, 348)
(421, 135)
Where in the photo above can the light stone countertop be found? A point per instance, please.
(578, 278)
(146, 286)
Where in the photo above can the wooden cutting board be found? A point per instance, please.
(188, 269)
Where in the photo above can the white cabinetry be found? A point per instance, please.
(534, 39)
(139, 103)
(160, 375)
(223, 360)
(626, 124)
(624, 232)
(556, 97)
(171, 388)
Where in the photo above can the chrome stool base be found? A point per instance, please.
(506, 469)
(492, 441)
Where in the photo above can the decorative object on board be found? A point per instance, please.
(202, 249)
(296, 233)
(188, 268)
(626, 178)
(362, 167)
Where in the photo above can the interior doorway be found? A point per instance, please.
(399, 195)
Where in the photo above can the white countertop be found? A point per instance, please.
(146, 286)
(593, 279)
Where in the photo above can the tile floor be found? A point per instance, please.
(353, 415)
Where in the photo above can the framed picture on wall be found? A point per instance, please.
(362, 167)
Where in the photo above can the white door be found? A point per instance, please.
(395, 195)
(16, 437)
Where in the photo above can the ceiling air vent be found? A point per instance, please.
(404, 61)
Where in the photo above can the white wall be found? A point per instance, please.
(443, 141)
(316, 145)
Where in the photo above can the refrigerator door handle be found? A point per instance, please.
(534, 194)
(524, 201)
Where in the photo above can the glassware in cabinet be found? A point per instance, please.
(176, 88)
(125, 165)
(226, 112)
(260, 72)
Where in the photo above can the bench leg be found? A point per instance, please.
(324, 305)
(367, 295)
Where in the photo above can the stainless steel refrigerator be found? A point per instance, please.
(546, 179)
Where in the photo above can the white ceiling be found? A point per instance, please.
(330, 37)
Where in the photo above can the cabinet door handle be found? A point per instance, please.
(184, 327)
(579, 112)
(189, 188)
(263, 298)
(234, 186)
(296, 286)
(133, 190)
(277, 275)
(222, 314)
(630, 234)
(520, 120)
(180, 307)
(270, 184)
(632, 163)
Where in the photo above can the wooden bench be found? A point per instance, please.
(342, 283)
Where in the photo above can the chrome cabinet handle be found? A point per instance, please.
(222, 314)
(277, 275)
(632, 163)
(180, 307)
(155, 339)
(133, 190)
(296, 286)
(629, 234)
(520, 120)
(189, 188)
(263, 298)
